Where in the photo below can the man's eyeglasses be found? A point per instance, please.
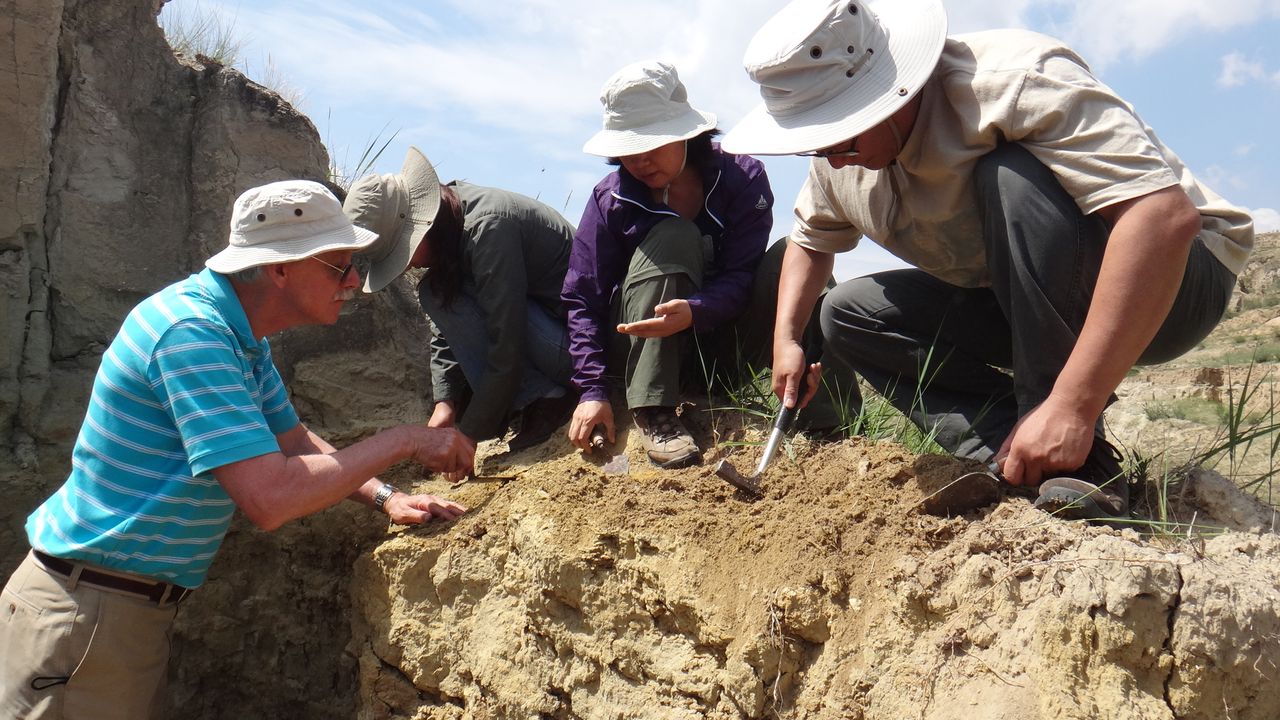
(342, 271)
(852, 152)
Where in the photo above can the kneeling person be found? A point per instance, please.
(189, 420)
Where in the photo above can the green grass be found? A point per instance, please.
(1253, 302)
(1246, 427)
(345, 173)
(1267, 352)
(1195, 409)
(874, 418)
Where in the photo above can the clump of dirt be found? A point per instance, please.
(573, 592)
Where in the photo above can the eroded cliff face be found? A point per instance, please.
(119, 164)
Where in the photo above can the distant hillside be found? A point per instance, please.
(1178, 410)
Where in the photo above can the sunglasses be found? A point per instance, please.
(342, 271)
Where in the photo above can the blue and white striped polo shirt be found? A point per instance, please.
(184, 388)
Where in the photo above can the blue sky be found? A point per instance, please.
(505, 93)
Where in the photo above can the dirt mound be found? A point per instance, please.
(569, 592)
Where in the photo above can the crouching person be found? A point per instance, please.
(495, 262)
(189, 420)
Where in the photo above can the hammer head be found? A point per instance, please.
(750, 486)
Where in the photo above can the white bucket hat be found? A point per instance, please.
(400, 208)
(831, 70)
(645, 107)
(285, 222)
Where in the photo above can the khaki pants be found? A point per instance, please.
(72, 651)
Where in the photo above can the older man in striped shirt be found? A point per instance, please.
(189, 420)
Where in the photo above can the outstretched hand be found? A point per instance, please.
(669, 318)
(418, 509)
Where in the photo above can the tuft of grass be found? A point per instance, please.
(193, 30)
(874, 417)
(1246, 427)
(1268, 352)
(343, 173)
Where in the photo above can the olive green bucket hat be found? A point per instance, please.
(400, 208)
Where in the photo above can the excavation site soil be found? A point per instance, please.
(606, 588)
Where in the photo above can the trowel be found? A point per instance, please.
(751, 485)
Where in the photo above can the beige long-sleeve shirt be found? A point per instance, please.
(992, 87)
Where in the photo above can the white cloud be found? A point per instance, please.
(1244, 150)
(1238, 70)
(1106, 31)
(505, 93)
(1266, 220)
(1218, 177)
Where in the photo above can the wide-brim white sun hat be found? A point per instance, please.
(286, 221)
(400, 208)
(829, 71)
(645, 107)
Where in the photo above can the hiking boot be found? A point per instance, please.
(665, 438)
(1098, 491)
(541, 419)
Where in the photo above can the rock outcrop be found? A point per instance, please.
(119, 163)
(572, 594)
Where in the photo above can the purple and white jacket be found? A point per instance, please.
(737, 217)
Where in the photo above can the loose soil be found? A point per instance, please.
(569, 592)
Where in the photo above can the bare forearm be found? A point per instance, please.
(1141, 272)
(273, 489)
(804, 275)
(309, 443)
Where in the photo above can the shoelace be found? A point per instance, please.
(662, 426)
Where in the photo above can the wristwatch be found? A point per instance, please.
(383, 494)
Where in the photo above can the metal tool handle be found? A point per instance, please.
(787, 415)
(599, 437)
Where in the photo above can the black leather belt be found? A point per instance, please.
(160, 593)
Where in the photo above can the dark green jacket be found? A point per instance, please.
(514, 249)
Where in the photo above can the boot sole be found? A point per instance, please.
(679, 462)
(1075, 502)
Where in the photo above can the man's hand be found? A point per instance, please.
(669, 318)
(788, 367)
(1052, 438)
(417, 509)
(586, 416)
(443, 416)
(444, 450)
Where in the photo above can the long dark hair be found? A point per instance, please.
(701, 154)
(444, 278)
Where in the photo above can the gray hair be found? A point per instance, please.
(247, 275)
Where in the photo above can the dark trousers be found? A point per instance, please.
(966, 363)
(669, 264)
